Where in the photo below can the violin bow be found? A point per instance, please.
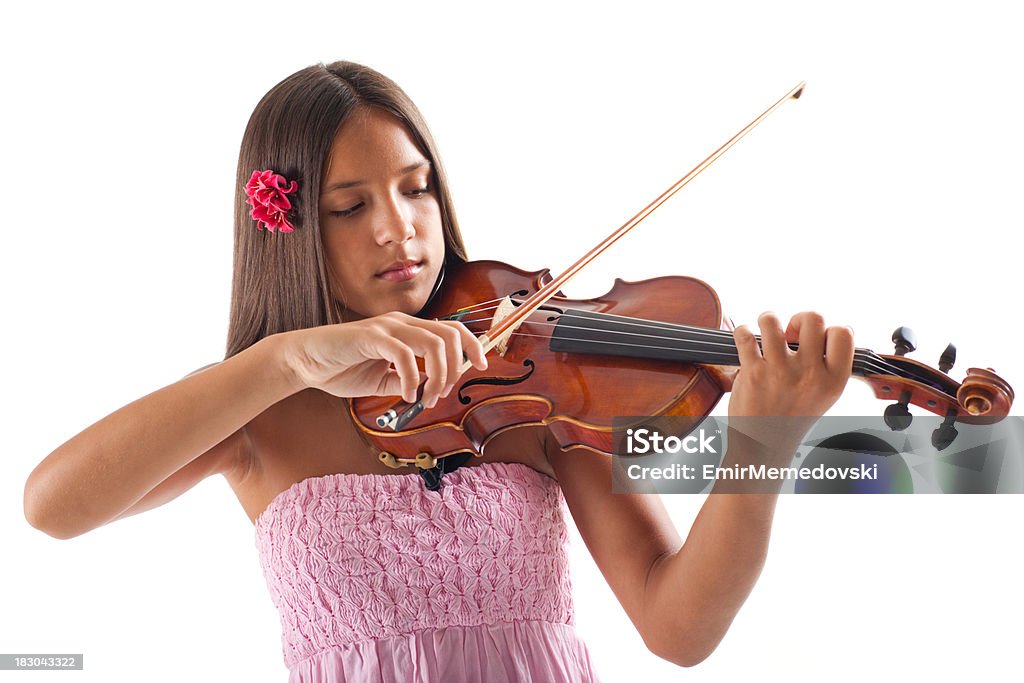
(401, 414)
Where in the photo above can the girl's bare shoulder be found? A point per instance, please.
(310, 434)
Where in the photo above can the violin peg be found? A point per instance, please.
(948, 358)
(905, 340)
(897, 416)
(945, 433)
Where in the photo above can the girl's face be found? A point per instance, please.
(380, 218)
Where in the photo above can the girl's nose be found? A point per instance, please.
(393, 225)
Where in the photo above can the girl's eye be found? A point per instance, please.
(345, 213)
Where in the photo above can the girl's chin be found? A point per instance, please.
(407, 297)
(410, 305)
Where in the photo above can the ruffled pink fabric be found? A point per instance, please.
(377, 578)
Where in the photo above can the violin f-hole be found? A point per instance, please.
(496, 381)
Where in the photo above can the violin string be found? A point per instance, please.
(648, 324)
(861, 361)
(475, 308)
(726, 338)
(727, 354)
(483, 308)
(720, 334)
(637, 322)
(867, 357)
(876, 363)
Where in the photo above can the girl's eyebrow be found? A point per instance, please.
(352, 183)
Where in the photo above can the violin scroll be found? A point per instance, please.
(982, 398)
(983, 393)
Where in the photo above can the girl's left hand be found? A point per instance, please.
(776, 380)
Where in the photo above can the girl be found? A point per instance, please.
(343, 227)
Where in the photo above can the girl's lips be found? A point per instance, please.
(401, 274)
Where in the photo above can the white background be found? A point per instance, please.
(888, 195)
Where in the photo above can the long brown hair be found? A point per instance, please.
(280, 281)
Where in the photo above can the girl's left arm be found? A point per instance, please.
(681, 597)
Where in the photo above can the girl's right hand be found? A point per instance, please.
(377, 356)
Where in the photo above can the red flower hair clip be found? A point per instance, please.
(269, 200)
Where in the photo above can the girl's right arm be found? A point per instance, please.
(97, 475)
(197, 422)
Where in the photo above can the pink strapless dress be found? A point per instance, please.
(379, 579)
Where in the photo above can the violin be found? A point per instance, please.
(657, 347)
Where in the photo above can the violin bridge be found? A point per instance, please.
(503, 310)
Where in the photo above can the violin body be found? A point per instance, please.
(645, 349)
(575, 394)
